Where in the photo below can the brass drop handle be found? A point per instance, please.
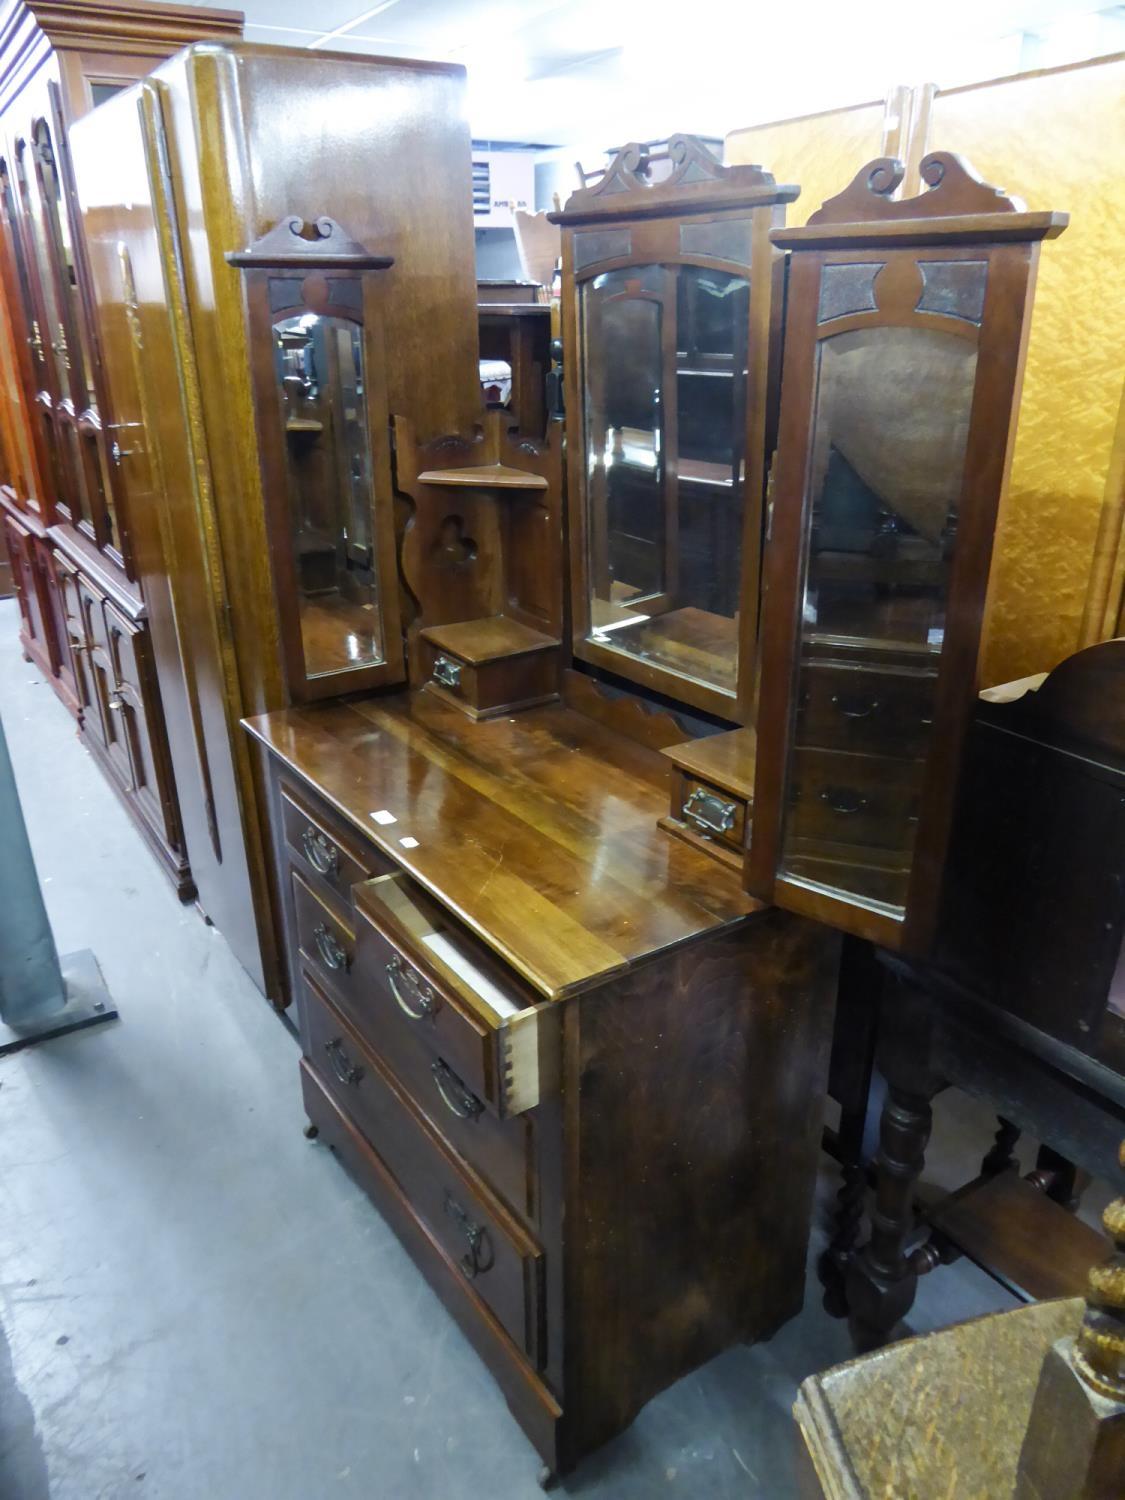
(329, 947)
(115, 702)
(321, 853)
(447, 672)
(343, 1067)
(414, 996)
(479, 1257)
(854, 708)
(459, 1100)
(843, 799)
(709, 812)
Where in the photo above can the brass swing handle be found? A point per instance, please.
(414, 996)
(447, 672)
(850, 706)
(479, 1257)
(320, 852)
(710, 813)
(459, 1100)
(343, 1067)
(329, 947)
(843, 799)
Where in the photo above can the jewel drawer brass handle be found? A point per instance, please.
(709, 812)
(459, 1100)
(329, 948)
(843, 799)
(854, 708)
(479, 1256)
(425, 1002)
(321, 853)
(447, 672)
(343, 1067)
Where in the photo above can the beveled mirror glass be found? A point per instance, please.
(320, 379)
(888, 449)
(664, 352)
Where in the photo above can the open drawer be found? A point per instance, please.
(437, 985)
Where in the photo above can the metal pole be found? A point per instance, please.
(31, 981)
(39, 996)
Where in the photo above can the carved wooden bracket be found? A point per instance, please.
(952, 187)
(293, 244)
(629, 187)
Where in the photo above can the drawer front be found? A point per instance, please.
(324, 854)
(326, 942)
(882, 713)
(490, 687)
(503, 1152)
(495, 1254)
(408, 1011)
(712, 812)
(860, 801)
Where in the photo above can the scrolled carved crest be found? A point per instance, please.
(317, 244)
(637, 181)
(952, 188)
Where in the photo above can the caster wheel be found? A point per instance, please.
(546, 1478)
(311, 1132)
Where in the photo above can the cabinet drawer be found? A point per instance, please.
(321, 849)
(428, 981)
(483, 688)
(495, 1254)
(501, 1151)
(878, 712)
(326, 941)
(865, 801)
(711, 812)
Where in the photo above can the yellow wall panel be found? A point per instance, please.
(821, 152)
(1057, 140)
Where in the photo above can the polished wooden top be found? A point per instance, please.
(488, 639)
(725, 759)
(539, 832)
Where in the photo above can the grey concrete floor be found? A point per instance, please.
(196, 1302)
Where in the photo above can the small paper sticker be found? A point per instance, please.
(383, 816)
(409, 843)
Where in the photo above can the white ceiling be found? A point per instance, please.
(577, 72)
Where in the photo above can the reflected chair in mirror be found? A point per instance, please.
(904, 345)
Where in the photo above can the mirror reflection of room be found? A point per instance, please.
(665, 368)
(319, 367)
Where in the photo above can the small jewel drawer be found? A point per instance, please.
(425, 981)
(489, 666)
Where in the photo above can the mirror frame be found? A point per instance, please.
(312, 257)
(636, 218)
(959, 217)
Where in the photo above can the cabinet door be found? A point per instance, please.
(104, 724)
(134, 693)
(62, 654)
(21, 548)
(66, 579)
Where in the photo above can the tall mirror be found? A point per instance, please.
(671, 306)
(315, 334)
(319, 365)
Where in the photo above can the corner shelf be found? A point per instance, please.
(484, 476)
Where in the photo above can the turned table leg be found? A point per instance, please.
(882, 1278)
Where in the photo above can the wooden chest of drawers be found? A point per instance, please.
(567, 1057)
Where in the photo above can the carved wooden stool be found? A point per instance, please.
(1021, 1405)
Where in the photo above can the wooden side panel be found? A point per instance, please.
(693, 1091)
(166, 479)
(1057, 140)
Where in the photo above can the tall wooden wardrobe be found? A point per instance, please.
(77, 544)
(179, 179)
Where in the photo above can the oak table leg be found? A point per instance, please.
(882, 1278)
